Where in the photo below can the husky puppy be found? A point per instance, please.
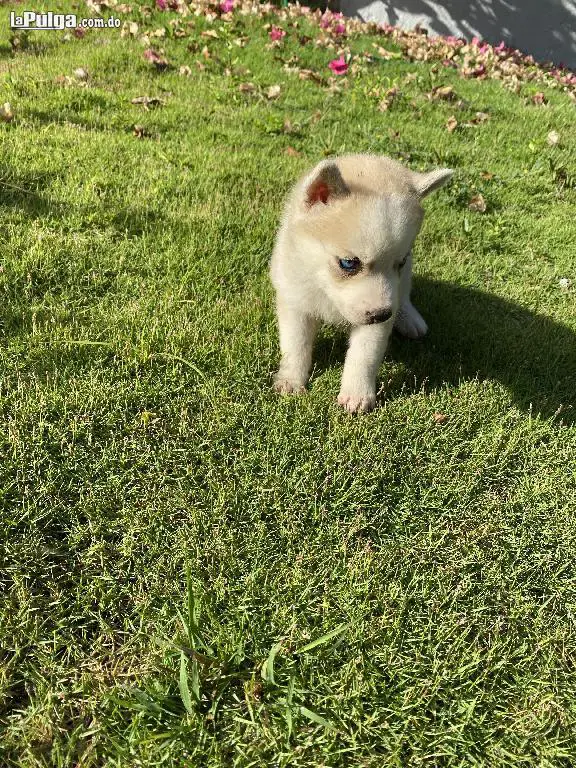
(343, 256)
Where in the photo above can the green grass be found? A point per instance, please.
(141, 439)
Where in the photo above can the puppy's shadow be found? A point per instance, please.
(474, 334)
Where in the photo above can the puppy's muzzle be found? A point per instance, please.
(378, 317)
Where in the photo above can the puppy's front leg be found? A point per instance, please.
(409, 322)
(366, 350)
(297, 331)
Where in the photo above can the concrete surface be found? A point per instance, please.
(545, 28)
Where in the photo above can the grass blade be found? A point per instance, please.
(267, 670)
(183, 685)
(316, 718)
(324, 639)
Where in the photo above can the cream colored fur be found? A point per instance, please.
(355, 207)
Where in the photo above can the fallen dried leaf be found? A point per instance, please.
(6, 114)
(209, 33)
(451, 124)
(185, 70)
(148, 101)
(440, 418)
(80, 74)
(444, 92)
(539, 98)
(486, 175)
(129, 28)
(553, 138)
(477, 204)
(246, 87)
(291, 152)
(140, 131)
(273, 92)
(154, 58)
(385, 54)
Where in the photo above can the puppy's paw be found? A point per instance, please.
(357, 402)
(409, 322)
(287, 386)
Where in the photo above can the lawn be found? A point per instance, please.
(195, 571)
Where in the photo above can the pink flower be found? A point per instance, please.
(227, 6)
(475, 41)
(339, 29)
(339, 66)
(161, 5)
(276, 33)
(483, 48)
(326, 20)
(500, 47)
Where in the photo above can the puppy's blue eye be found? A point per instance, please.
(350, 266)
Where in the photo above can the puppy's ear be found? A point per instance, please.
(428, 182)
(325, 185)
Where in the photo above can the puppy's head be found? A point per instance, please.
(357, 217)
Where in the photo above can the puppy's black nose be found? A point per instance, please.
(378, 317)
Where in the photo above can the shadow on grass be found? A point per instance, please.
(30, 194)
(475, 334)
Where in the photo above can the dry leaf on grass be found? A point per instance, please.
(6, 114)
(451, 124)
(385, 54)
(140, 131)
(440, 418)
(389, 97)
(444, 92)
(553, 138)
(273, 92)
(148, 101)
(539, 98)
(477, 204)
(291, 152)
(154, 58)
(129, 29)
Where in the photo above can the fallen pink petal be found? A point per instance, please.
(339, 66)
(227, 6)
(276, 33)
